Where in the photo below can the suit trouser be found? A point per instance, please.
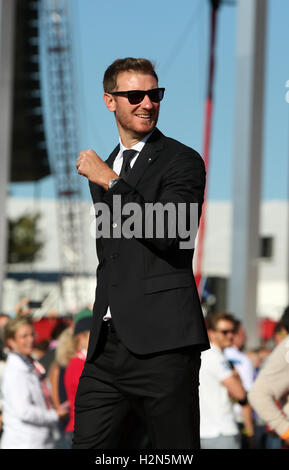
(161, 389)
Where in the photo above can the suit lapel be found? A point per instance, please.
(146, 158)
(112, 156)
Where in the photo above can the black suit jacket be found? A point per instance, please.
(148, 283)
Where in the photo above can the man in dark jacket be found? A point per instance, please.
(148, 328)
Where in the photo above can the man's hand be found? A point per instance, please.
(90, 165)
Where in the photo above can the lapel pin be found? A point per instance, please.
(149, 159)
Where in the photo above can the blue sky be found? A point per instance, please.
(175, 36)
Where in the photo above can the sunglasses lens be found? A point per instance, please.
(135, 97)
(156, 95)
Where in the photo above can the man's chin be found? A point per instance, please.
(145, 129)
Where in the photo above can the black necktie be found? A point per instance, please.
(127, 156)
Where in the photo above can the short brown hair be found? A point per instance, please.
(214, 318)
(128, 64)
(13, 325)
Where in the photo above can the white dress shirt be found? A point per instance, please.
(216, 407)
(117, 164)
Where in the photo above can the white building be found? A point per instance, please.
(272, 289)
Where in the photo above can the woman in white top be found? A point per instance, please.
(29, 421)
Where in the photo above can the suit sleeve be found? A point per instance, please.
(183, 183)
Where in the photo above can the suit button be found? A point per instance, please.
(114, 255)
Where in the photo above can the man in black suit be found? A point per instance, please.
(148, 328)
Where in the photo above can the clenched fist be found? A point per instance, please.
(90, 165)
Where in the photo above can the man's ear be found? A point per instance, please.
(210, 333)
(109, 101)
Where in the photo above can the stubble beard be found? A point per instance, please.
(135, 133)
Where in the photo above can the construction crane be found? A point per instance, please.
(57, 57)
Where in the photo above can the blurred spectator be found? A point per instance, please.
(48, 358)
(86, 312)
(280, 332)
(218, 384)
(29, 421)
(269, 395)
(3, 320)
(242, 364)
(263, 353)
(253, 355)
(2, 364)
(285, 319)
(75, 367)
(257, 357)
(40, 349)
(65, 350)
(239, 359)
(22, 308)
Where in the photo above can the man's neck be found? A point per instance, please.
(217, 346)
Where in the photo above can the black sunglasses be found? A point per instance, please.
(225, 332)
(136, 96)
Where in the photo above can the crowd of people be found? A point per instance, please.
(244, 394)
(37, 384)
